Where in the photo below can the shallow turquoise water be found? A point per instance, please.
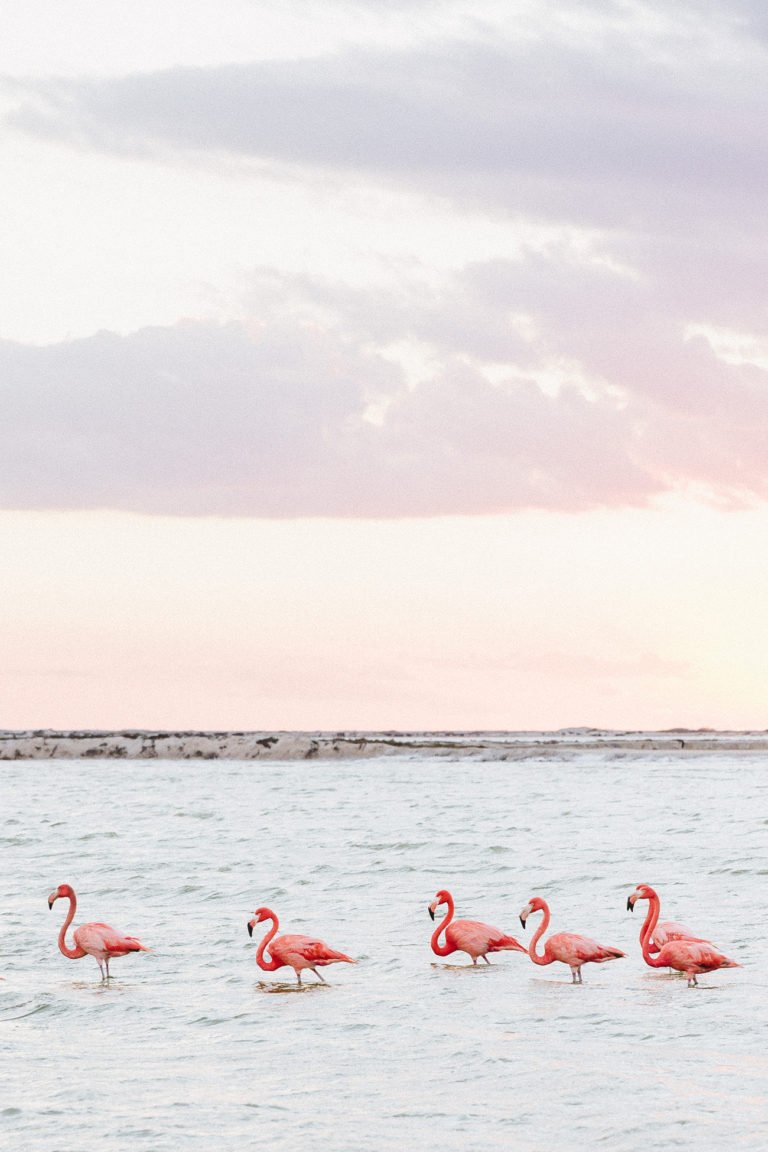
(192, 1047)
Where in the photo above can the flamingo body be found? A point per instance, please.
(565, 947)
(94, 939)
(671, 930)
(470, 936)
(103, 942)
(300, 952)
(693, 957)
(574, 950)
(292, 951)
(477, 939)
(690, 956)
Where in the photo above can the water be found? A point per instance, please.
(192, 1047)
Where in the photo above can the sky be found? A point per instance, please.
(384, 364)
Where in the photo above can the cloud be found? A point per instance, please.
(604, 129)
(188, 419)
(607, 667)
(291, 417)
(206, 420)
(579, 375)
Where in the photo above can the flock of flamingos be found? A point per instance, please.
(665, 945)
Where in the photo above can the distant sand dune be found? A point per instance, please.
(134, 744)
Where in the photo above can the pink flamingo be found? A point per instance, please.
(566, 947)
(297, 952)
(97, 940)
(470, 936)
(689, 956)
(668, 930)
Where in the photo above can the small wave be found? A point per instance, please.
(394, 846)
(37, 1010)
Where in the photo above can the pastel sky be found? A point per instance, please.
(384, 364)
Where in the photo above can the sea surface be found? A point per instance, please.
(192, 1047)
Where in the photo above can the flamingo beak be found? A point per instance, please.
(50, 904)
(630, 904)
(431, 912)
(250, 927)
(522, 921)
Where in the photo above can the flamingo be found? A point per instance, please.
(470, 936)
(297, 952)
(97, 940)
(566, 947)
(690, 956)
(667, 930)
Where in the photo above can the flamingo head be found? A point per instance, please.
(259, 915)
(441, 897)
(642, 892)
(63, 890)
(535, 904)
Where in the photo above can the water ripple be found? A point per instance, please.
(193, 1046)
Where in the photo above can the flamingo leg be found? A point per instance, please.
(486, 960)
(692, 981)
(577, 977)
(320, 978)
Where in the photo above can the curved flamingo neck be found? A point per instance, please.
(646, 932)
(76, 952)
(537, 959)
(438, 948)
(270, 965)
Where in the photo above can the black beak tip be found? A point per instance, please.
(431, 914)
(50, 905)
(522, 922)
(250, 929)
(630, 905)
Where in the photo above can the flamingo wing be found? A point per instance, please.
(694, 956)
(102, 939)
(476, 938)
(672, 930)
(570, 948)
(307, 950)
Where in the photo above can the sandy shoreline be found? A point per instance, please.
(130, 744)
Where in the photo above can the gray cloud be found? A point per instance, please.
(204, 420)
(656, 139)
(611, 130)
(190, 419)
